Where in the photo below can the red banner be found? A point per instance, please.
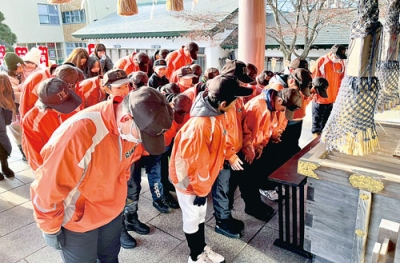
(2, 53)
(44, 58)
(21, 51)
(90, 48)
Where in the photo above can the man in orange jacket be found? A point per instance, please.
(56, 103)
(134, 62)
(80, 189)
(331, 67)
(181, 57)
(198, 156)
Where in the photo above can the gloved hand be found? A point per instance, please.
(199, 201)
(55, 241)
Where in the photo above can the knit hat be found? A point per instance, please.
(12, 60)
(153, 115)
(33, 56)
(56, 94)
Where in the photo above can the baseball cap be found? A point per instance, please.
(238, 69)
(139, 78)
(185, 72)
(115, 77)
(321, 84)
(292, 100)
(303, 77)
(338, 50)
(211, 73)
(161, 63)
(298, 63)
(262, 78)
(227, 88)
(170, 88)
(182, 105)
(56, 94)
(153, 115)
(69, 73)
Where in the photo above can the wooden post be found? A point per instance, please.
(251, 47)
(362, 222)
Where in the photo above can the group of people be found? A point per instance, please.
(88, 127)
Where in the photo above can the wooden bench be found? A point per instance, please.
(291, 214)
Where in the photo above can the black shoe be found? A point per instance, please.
(1, 176)
(161, 206)
(262, 212)
(127, 241)
(132, 223)
(170, 201)
(227, 228)
(238, 224)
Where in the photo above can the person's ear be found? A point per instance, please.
(107, 89)
(223, 104)
(279, 100)
(126, 118)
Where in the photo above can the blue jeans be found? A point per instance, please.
(153, 170)
(220, 191)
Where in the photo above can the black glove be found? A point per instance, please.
(55, 241)
(199, 201)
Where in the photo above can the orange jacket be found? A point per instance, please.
(199, 150)
(82, 183)
(29, 94)
(333, 73)
(234, 129)
(175, 60)
(90, 91)
(127, 64)
(258, 125)
(37, 127)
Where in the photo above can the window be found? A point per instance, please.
(48, 15)
(74, 17)
(72, 45)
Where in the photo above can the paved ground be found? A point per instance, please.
(21, 240)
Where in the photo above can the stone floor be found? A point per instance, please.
(21, 241)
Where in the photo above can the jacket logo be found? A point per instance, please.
(202, 178)
(130, 152)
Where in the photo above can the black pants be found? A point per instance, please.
(134, 188)
(320, 115)
(98, 245)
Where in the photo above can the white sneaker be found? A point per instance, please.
(270, 194)
(213, 256)
(202, 258)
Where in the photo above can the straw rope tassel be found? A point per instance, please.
(127, 7)
(53, 2)
(351, 126)
(174, 5)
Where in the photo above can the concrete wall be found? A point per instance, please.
(23, 19)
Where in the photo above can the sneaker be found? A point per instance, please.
(202, 258)
(170, 201)
(270, 194)
(161, 206)
(213, 256)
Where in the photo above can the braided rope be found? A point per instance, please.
(351, 127)
(388, 75)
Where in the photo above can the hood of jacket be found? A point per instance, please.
(202, 107)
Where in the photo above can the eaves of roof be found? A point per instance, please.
(134, 35)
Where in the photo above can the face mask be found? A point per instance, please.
(129, 137)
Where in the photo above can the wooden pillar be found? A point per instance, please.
(251, 47)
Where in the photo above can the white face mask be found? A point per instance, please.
(129, 137)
